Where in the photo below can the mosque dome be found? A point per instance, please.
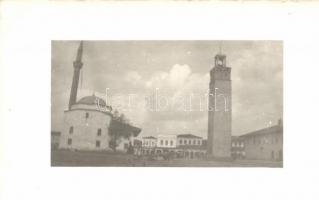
(92, 100)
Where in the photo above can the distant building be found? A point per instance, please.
(166, 141)
(148, 145)
(149, 141)
(265, 144)
(176, 146)
(238, 148)
(190, 146)
(189, 140)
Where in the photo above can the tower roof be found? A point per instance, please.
(219, 55)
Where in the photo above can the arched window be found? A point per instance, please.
(71, 130)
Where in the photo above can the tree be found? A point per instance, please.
(120, 129)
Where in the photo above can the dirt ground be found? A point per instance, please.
(87, 158)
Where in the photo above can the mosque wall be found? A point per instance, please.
(85, 129)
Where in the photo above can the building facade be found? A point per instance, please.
(173, 146)
(166, 141)
(238, 148)
(85, 126)
(265, 144)
(149, 142)
(220, 110)
(189, 139)
(190, 146)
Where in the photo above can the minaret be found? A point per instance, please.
(77, 64)
(220, 110)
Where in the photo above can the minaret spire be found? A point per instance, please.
(77, 65)
(80, 52)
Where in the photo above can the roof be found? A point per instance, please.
(149, 137)
(188, 136)
(93, 100)
(278, 129)
(123, 127)
(166, 136)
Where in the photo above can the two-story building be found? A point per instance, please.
(149, 144)
(166, 144)
(190, 146)
(176, 146)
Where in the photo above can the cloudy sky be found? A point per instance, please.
(177, 74)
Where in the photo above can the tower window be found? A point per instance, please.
(69, 141)
(171, 143)
(166, 142)
(86, 115)
(161, 142)
(99, 132)
(97, 143)
(71, 130)
(181, 142)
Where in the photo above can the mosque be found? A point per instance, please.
(87, 121)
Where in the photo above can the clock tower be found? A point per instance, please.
(219, 110)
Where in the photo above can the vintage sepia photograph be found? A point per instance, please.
(170, 103)
(159, 100)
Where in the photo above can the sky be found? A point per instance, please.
(129, 75)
